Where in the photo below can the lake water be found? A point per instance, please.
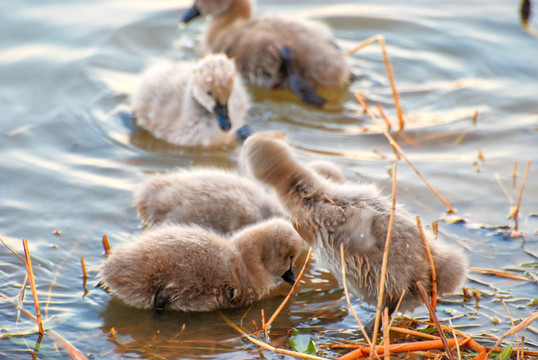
(69, 165)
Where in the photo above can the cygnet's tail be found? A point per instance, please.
(450, 266)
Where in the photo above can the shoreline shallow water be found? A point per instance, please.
(70, 164)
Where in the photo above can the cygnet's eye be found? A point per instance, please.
(209, 93)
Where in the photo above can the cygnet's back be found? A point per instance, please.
(209, 197)
(192, 104)
(191, 269)
(328, 214)
(274, 51)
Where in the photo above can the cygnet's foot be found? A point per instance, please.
(243, 132)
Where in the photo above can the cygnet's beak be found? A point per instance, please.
(192, 13)
(289, 277)
(222, 116)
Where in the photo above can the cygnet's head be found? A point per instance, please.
(207, 7)
(212, 84)
(273, 244)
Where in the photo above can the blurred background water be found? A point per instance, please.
(69, 164)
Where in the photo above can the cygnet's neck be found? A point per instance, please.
(220, 30)
(259, 277)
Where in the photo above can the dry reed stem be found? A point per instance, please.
(402, 154)
(503, 274)
(414, 333)
(14, 253)
(435, 229)
(475, 117)
(515, 329)
(386, 339)
(520, 353)
(432, 265)
(397, 308)
(516, 211)
(455, 338)
(514, 174)
(275, 314)
(265, 345)
(263, 323)
(344, 282)
(106, 245)
(382, 113)
(435, 320)
(385, 260)
(74, 352)
(31, 278)
(381, 40)
(511, 321)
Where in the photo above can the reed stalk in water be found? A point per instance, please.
(381, 40)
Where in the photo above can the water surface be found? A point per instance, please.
(69, 165)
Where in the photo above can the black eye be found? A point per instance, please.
(209, 93)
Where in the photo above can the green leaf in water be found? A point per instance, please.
(505, 354)
(302, 343)
(533, 303)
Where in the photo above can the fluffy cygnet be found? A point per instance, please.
(193, 104)
(212, 198)
(274, 51)
(191, 269)
(328, 214)
(328, 170)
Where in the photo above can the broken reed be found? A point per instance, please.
(397, 148)
(515, 213)
(381, 40)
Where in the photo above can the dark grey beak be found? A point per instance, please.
(222, 116)
(289, 277)
(192, 13)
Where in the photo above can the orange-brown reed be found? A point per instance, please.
(106, 245)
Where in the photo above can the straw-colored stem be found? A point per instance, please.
(385, 261)
(514, 175)
(435, 320)
(511, 321)
(515, 329)
(265, 345)
(402, 154)
(432, 265)
(503, 274)
(386, 339)
(397, 308)
(14, 253)
(31, 278)
(346, 292)
(455, 338)
(381, 40)
(516, 212)
(384, 117)
(275, 314)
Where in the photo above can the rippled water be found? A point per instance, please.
(70, 164)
